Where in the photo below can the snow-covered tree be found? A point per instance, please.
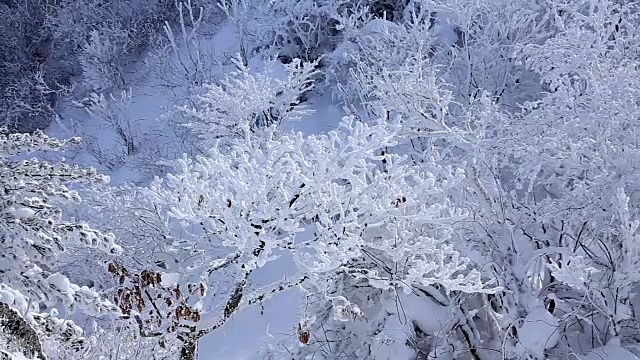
(118, 343)
(247, 103)
(563, 179)
(478, 201)
(102, 60)
(330, 201)
(111, 113)
(549, 184)
(147, 282)
(33, 233)
(24, 106)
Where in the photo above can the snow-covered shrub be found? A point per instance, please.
(182, 60)
(113, 343)
(111, 113)
(29, 103)
(302, 29)
(151, 319)
(72, 21)
(295, 28)
(246, 103)
(573, 161)
(158, 299)
(160, 306)
(307, 29)
(394, 76)
(478, 41)
(101, 59)
(551, 187)
(104, 37)
(351, 228)
(34, 233)
(28, 84)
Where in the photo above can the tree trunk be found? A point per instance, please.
(189, 350)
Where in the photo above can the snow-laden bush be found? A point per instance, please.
(104, 37)
(324, 201)
(183, 59)
(34, 233)
(550, 184)
(102, 58)
(302, 29)
(28, 84)
(247, 103)
(72, 21)
(572, 176)
(113, 343)
(110, 112)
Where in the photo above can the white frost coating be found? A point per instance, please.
(59, 281)
(573, 271)
(6, 297)
(21, 212)
(33, 233)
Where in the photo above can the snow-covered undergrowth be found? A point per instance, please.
(378, 179)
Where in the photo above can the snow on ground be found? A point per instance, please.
(539, 331)
(326, 116)
(612, 351)
(250, 330)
